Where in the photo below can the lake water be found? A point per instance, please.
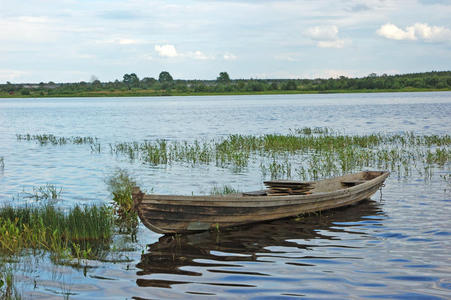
(395, 246)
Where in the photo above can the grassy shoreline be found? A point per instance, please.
(153, 93)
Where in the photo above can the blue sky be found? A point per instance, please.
(68, 40)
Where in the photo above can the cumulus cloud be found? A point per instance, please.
(415, 32)
(166, 50)
(393, 32)
(325, 36)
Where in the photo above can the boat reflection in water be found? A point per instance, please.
(245, 251)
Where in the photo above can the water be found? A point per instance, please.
(394, 247)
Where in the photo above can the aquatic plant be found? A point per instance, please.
(49, 228)
(2, 163)
(46, 192)
(308, 152)
(223, 190)
(44, 139)
(120, 184)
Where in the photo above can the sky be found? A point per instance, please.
(83, 40)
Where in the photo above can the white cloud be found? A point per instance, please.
(166, 50)
(229, 56)
(417, 31)
(325, 36)
(393, 32)
(432, 33)
(170, 51)
(323, 33)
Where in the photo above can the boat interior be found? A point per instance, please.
(290, 187)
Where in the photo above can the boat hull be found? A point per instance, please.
(171, 214)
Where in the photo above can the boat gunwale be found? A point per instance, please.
(286, 199)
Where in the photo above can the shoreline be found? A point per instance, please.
(153, 93)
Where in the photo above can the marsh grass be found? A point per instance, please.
(74, 233)
(45, 139)
(223, 190)
(309, 153)
(120, 184)
(46, 192)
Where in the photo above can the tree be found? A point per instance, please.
(165, 77)
(131, 80)
(223, 78)
(290, 85)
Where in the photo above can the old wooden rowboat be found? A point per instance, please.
(171, 214)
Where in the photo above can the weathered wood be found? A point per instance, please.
(175, 213)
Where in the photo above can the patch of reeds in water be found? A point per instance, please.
(223, 190)
(45, 139)
(120, 184)
(308, 153)
(46, 227)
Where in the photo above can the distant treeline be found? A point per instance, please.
(131, 84)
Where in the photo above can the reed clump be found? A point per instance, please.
(46, 192)
(307, 152)
(46, 227)
(120, 184)
(45, 139)
(223, 190)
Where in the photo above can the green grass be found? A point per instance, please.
(46, 227)
(223, 190)
(120, 184)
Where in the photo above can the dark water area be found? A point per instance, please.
(396, 245)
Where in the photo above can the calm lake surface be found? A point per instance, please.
(396, 245)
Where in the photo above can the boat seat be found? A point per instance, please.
(349, 183)
(256, 193)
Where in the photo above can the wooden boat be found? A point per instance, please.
(171, 214)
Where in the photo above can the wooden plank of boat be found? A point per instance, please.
(171, 214)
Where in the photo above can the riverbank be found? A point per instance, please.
(159, 93)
